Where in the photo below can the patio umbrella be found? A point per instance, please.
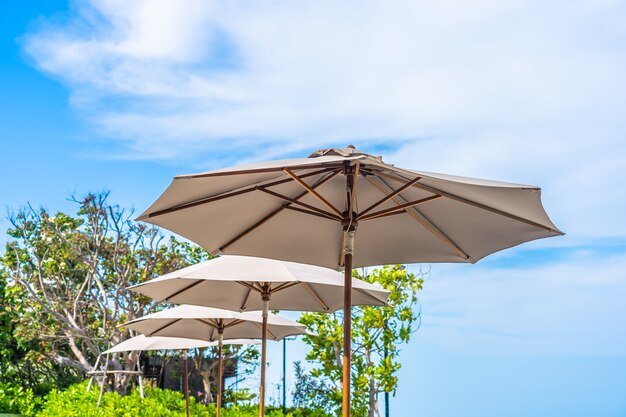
(343, 208)
(248, 283)
(214, 324)
(142, 343)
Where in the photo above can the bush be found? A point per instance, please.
(19, 400)
(77, 402)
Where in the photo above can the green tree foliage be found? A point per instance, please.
(63, 279)
(310, 392)
(377, 333)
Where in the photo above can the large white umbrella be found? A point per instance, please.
(343, 208)
(248, 283)
(142, 343)
(215, 325)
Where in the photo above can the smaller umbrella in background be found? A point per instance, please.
(214, 324)
(249, 283)
(144, 343)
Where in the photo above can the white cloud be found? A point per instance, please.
(525, 91)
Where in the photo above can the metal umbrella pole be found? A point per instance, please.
(186, 382)
(220, 370)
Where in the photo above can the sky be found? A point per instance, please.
(123, 95)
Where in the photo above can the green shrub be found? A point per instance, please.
(77, 402)
(19, 400)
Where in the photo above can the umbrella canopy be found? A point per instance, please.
(344, 208)
(296, 210)
(205, 323)
(142, 343)
(214, 324)
(228, 281)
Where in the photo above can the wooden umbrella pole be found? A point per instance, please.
(186, 383)
(266, 306)
(349, 229)
(347, 324)
(220, 372)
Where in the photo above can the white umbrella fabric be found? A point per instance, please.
(215, 325)
(343, 208)
(142, 343)
(249, 283)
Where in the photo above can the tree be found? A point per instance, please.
(375, 331)
(67, 276)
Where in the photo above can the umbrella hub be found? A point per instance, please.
(346, 152)
(349, 223)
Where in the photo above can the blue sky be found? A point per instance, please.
(122, 95)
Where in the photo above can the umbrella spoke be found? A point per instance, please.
(400, 208)
(464, 200)
(234, 323)
(315, 296)
(248, 285)
(266, 330)
(311, 213)
(420, 218)
(388, 197)
(284, 286)
(188, 287)
(245, 299)
(312, 191)
(273, 213)
(234, 193)
(165, 326)
(300, 203)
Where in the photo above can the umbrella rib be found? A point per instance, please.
(388, 197)
(267, 330)
(420, 218)
(475, 204)
(245, 299)
(188, 287)
(248, 285)
(232, 193)
(400, 208)
(275, 212)
(165, 326)
(284, 286)
(311, 213)
(312, 191)
(313, 294)
(300, 203)
(234, 323)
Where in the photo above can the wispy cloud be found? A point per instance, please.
(525, 91)
(568, 307)
(172, 77)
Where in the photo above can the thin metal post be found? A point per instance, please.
(285, 376)
(95, 368)
(104, 377)
(386, 353)
(266, 305)
(220, 370)
(140, 376)
(186, 382)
